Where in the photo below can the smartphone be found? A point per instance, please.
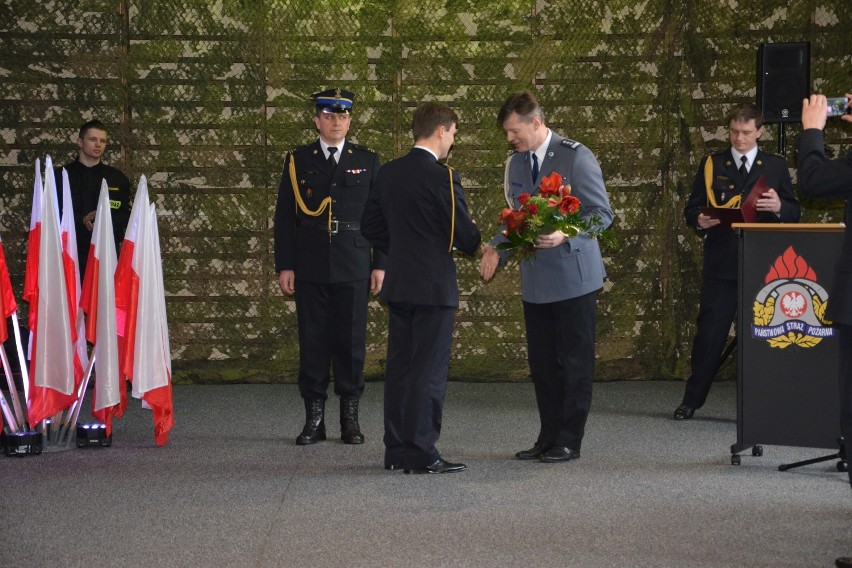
(838, 106)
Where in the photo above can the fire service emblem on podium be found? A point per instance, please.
(790, 308)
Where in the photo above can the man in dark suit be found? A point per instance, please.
(418, 215)
(559, 286)
(832, 179)
(321, 257)
(724, 179)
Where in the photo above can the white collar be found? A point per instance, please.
(750, 156)
(325, 148)
(424, 148)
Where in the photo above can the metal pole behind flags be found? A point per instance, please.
(7, 412)
(74, 411)
(25, 375)
(13, 390)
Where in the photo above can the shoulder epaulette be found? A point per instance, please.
(567, 142)
(360, 147)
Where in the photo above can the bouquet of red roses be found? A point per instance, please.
(553, 209)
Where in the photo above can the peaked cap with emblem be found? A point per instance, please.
(334, 100)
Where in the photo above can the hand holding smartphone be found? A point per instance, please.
(838, 106)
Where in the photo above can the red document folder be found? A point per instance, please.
(747, 213)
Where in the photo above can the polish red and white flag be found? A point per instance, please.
(152, 365)
(98, 302)
(71, 262)
(8, 306)
(52, 369)
(127, 282)
(30, 294)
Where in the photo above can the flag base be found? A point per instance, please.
(22, 444)
(93, 434)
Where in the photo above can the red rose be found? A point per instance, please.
(532, 208)
(550, 185)
(516, 221)
(569, 204)
(523, 198)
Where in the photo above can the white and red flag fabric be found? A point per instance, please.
(30, 294)
(152, 367)
(72, 279)
(7, 303)
(8, 306)
(98, 302)
(52, 370)
(127, 282)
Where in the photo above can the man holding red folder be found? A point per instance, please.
(723, 181)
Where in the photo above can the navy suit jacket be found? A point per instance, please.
(409, 216)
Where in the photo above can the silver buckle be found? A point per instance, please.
(334, 227)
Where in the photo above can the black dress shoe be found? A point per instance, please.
(439, 466)
(533, 453)
(559, 454)
(683, 412)
(843, 562)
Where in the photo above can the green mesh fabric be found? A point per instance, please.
(204, 97)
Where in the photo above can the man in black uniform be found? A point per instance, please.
(321, 257)
(419, 216)
(85, 175)
(724, 180)
(832, 179)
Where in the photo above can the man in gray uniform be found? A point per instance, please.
(559, 286)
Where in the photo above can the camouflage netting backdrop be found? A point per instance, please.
(204, 97)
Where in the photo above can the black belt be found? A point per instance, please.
(336, 226)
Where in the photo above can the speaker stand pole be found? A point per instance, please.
(782, 138)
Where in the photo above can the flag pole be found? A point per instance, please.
(74, 411)
(13, 391)
(7, 412)
(22, 363)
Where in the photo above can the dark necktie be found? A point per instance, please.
(534, 167)
(332, 163)
(743, 168)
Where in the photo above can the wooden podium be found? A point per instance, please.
(787, 361)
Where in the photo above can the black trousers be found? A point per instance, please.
(716, 311)
(332, 322)
(561, 350)
(419, 339)
(845, 338)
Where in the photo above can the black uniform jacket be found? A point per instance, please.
(831, 179)
(302, 241)
(720, 245)
(85, 185)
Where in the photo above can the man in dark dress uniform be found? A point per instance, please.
(321, 257)
(832, 179)
(85, 175)
(724, 179)
(418, 215)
